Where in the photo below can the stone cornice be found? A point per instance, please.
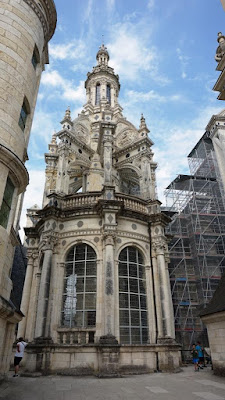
(47, 15)
(16, 168)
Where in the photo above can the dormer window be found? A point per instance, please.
(35, 57)
(108, 93)
(25, 110)
(97, 94)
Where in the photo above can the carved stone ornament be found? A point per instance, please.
(48, 242)
(109, 239)
(159, 245)
(125, 138)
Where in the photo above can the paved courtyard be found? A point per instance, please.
(185, 385)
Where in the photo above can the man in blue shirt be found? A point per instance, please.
(200, 355)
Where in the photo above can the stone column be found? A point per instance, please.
(29, 333)
(26, 292)
(150, 304)
(57, 282)
(43, 294)
(158, 305)
(160, 247)
(107, 142)
(109, 285)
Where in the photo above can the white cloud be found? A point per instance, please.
(130, 53)
(183, 62)
(65, 87)
(73, 50)
(151, 4)
(135, 97)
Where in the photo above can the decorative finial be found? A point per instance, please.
(67, 114)
(143, 127)
(54, 135)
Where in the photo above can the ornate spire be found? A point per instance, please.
(54, 136)
(143, 127)
(102, 55)
(67, 114)
(221, 48)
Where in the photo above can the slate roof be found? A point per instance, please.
(217, 304)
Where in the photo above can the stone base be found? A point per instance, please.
(101, 359)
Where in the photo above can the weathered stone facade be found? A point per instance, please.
(112, 311)
(25, 29)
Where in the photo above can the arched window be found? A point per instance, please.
(97, 94)
(132, 297)
(79, 296)
(108, 93)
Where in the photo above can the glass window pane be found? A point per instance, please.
(122, 269)
(143, 302)
(90, 285)
(123, 300)
(70, 256)
(90, 318)
(135, 336)
(123, 285)
(91, 269)
(80, 304)
(78, 319)
(133, 284)
(135, 318)
(144, 318)
(69, 269)
(133, 270)
(141, 272)
(123, 255)
(90, 302)
(132, 255)
(80, 285)
(80, 252)
(124, 318)
(142, 286)
(144, 335)
(125, 335)
(79, 268)
(134, 301)
(90, 253)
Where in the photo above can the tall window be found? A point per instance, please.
(108, 93)
(35, 57)
(132, 297)
(25, 110)
(79, 297)
(6, 203)
(97, 94)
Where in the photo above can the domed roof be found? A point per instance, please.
(102, 50)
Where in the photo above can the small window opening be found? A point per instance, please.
(108, 93)
(35, 57)
(6, 203)
(25, 110)
(97, 94)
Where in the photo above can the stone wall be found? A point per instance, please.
(216, 332)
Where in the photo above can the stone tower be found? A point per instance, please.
(97, 292)
(25, 28)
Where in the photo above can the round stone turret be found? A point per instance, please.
(102, 55)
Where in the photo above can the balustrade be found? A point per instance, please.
(74, 336)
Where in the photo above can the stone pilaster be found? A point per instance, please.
(107, 143)
(109, 284)
(159, 247)
(43, 294)
(31, 255)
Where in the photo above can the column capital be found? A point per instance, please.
(159, 245)
(48, 242)
(109, 238)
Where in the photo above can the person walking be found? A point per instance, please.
(194, 353)
(200, 355)
(19, 354)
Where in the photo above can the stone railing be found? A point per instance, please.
(74, 336)
(133, 204)
(90, 199)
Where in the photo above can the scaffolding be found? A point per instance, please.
(197, 250)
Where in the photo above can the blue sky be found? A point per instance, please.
(163, 52)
